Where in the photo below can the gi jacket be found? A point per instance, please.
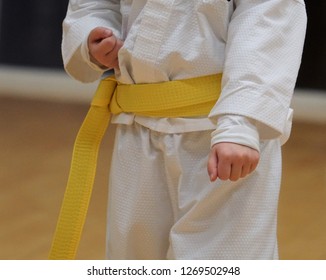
(257, 44)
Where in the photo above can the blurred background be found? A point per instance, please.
(41, 109)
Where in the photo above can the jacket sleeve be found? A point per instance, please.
(263, 56)
(82, 17)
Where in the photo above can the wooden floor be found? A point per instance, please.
(35, 148)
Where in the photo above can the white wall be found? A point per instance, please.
(48, 84)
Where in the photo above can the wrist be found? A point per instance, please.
(236, 129)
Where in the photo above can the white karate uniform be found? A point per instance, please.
(162, 204)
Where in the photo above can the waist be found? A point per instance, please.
(166, 125)
(173, 99)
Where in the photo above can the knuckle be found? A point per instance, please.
(226, 156)
(223, 178)
(223, 175)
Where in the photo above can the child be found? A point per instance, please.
(162, 202)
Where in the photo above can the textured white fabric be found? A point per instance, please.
(256, 44)
(236, 127)
(163, 205)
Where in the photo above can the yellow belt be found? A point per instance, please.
(182, 98)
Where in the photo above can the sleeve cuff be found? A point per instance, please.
(236, 129)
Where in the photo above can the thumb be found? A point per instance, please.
(212, 165)
(100, 33)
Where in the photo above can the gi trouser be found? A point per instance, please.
(162, 204)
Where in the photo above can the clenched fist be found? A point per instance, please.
(230, 161)
(103, 47)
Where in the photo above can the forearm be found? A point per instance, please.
(263, 55)
(82, 17)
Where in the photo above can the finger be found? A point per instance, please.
(104, 47)
(254, 163)
(224, 170)
(235, 172)
(245, 170)
(106, 51)
(109, 44)
(252, 167)
(212, 166)
(111, 57)
(98, 34)
(117, 48)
